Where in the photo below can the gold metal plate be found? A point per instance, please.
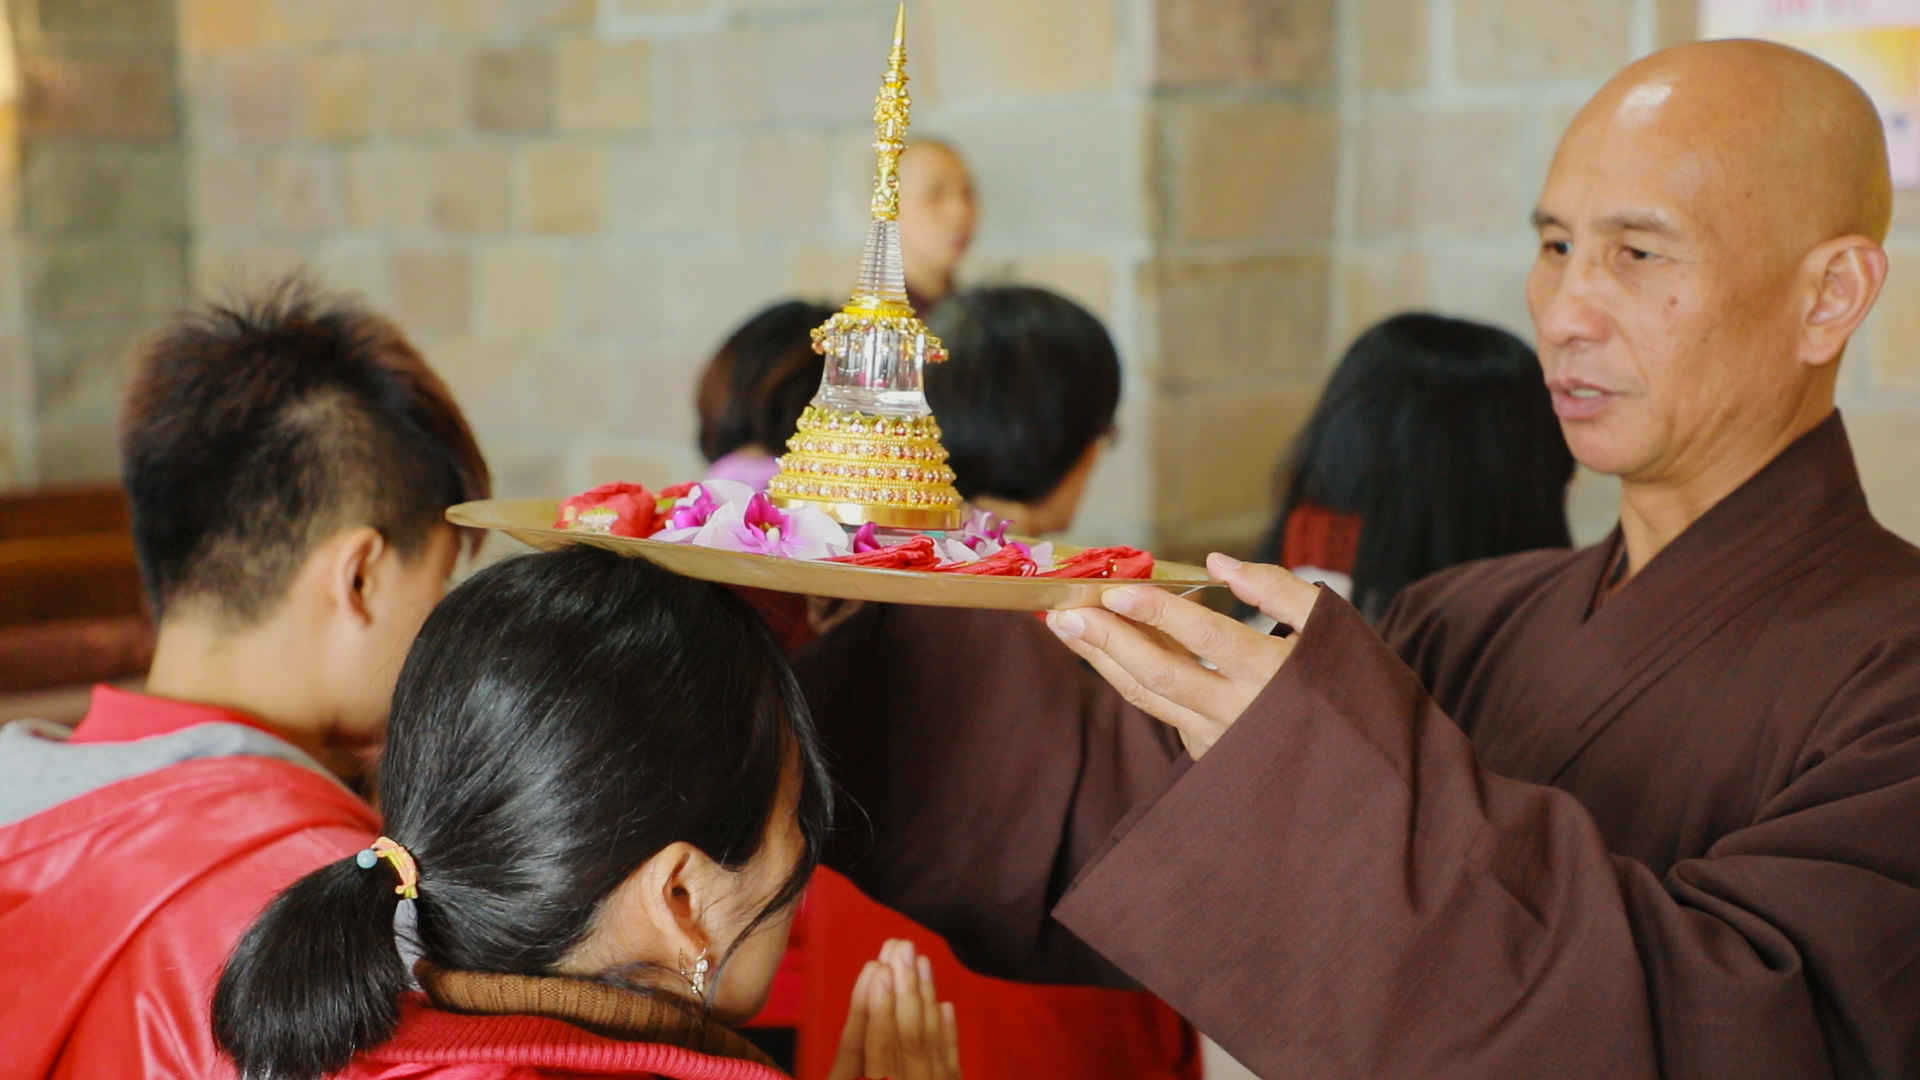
(530, 521)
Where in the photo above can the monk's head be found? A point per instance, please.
(1710, 237)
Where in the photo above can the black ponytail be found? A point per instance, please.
(316, 978)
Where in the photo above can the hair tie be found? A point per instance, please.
(402, 861)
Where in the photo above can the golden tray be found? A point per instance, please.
(530, 521)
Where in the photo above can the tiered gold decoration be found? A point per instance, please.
(868, 449)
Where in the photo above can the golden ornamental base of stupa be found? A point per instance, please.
(887, 470)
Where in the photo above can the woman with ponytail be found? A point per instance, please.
(603, 794)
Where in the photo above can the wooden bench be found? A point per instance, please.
(70, 603)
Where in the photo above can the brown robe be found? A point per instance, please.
(1677, 836)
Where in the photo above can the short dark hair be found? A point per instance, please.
(761, 380)
(253, 430)
(1033, 382)
(1440, 436)
(560, 719)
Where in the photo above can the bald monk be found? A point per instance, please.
(1647, 809)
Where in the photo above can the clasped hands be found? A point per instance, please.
(1182, 663)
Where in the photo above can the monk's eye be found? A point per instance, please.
(1638, 255)
(1555, 247)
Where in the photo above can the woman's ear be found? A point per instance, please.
(1847, 274)
(660, 916)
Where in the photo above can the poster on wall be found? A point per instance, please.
(1875, 41)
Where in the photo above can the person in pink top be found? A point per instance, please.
(603, 794)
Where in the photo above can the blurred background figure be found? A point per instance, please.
(754, 389)
(938, 212)
(1026, 403)
(1433, 444)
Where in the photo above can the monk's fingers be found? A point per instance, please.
(1150, 672)
(1238, 651)
(1278, 594)
(849, 1063)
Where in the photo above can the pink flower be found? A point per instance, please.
(866, 539)
(759, 527)
(686, 515)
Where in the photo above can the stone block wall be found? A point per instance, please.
(570, 202)
(95, 225)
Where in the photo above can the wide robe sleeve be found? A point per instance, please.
(1337, 889)
(980, 766)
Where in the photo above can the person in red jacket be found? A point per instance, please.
(603, 796)
(288, 462)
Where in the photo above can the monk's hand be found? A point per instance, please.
(1193, 668)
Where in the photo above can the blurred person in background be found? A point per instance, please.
(939, 210)
(754, 389)
(1433, 444)
(289, 462)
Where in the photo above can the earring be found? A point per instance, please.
(697, 978)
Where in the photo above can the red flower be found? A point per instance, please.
(614, 509)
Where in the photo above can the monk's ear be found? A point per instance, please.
(1846, 275)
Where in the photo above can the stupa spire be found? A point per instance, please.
(868, 449)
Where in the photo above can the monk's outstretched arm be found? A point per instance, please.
(981, 765)
(1338, 889)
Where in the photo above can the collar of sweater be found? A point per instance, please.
(611, 1011)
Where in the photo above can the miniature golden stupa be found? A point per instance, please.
(868, 449)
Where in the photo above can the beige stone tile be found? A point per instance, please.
(262, 99)
(659, 7)
(75, 280)
(233, 271)
(1059, 179)
(512, 89)
(432, 291)
(338, 89)
(1253, 171)
(296, 22)
(226, 189)
(1528, 40)
(489, 377)
(390, 187)
(1214, 452)
(1676, 22)
(422, 92)
(715, 81)
(1886, 444)
(473, 189)
(1487, 285)
(1231, 321)
(1472, 171)
(1376, 285)
(90, 186)
(1391, 46)
(822, 273)
(566, 187)
(525, 291)
(807, 91)
(604, 86)
(676, 185)
(129, 97)
(1085, 279)
(1893, 334)
(212, 25)
(783, 184)
(1593, 506)
(526, 16)
(303, 191)
(103, 22)
(1277, 42)
(995, 48)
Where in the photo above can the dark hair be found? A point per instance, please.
(760, 381)
(1033, 382)
(1440, 436)
(252, 431)
(560, 719)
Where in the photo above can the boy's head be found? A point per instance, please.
(1026, 401)
(289, 461)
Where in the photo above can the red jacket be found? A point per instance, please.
(118, 908)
